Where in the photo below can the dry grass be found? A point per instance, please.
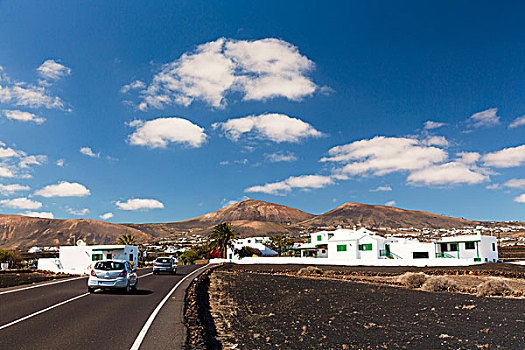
(412, 279)
(495, 286)
(310, 270)
(439, 284)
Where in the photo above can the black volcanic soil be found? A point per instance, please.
(15, 278)
(254, 310)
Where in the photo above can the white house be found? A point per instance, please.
(253, 242)
(79, 259)
(367, 247)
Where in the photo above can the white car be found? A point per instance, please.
(113, 274)
(165, 264)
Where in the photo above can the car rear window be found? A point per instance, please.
(164, 260)
(109, 265)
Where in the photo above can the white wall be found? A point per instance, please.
(358, 262)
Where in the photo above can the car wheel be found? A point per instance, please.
(91, 290)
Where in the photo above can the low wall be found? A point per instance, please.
(326, 261)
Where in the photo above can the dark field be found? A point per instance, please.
(267, 311)
(15, 278)
(500, 269)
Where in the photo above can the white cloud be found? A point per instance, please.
(226, 203)
(515, 183)
(89, 152)
(140, 204)
(429, 125)
(281, 157)
(468, 157)
(8, 152)
(517, 122)
(506, 158)
(304, 182)
(10, 189)
(52, 70)
(382, 189)
(19, 93)
(158, 133)
(484, 119)
(33, 97)
(492, 187)
(20, 203)
(435, 141)
(42, 214)
(448, 173)
(520, 199)
(6, 172)
(106, 216)
(275, 127)
(80, 212)
(383, 155)
(64, 189)
(27, 161)
(390, 203)
(258, 70)
(23, 116)
(60, 162)
(137, 84)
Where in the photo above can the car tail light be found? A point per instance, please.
(93, 273)
(154, 264)
(122, 274)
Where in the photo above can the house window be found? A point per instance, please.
(493, 247)
(323, 251)
(477, 259)
(97, 256)
(420, 255)
(341, 248)
(470, 245)
(330, 235)
(453, 247)
(319, 238)
(444, 247)
(109, 256)
(365, 247)
(131, 257)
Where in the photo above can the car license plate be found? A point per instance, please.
(102, 283)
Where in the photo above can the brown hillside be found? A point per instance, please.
(17, 231)
(249, 210)
(350, 214)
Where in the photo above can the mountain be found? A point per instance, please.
(350, 214)
(249, 217)
(17, 231)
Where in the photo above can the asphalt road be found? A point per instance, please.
(65, 316)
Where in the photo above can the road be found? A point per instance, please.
(64, 316)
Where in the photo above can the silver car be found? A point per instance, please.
(113, 274)
(164, 264)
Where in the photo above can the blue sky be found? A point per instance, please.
(136, 112)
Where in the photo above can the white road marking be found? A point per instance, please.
(41, 285)
(42, 311)
(55, 282)
(149, 322)
(151, 273)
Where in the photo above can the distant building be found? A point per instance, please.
(366, 246)
(258, 243)
(79, 259)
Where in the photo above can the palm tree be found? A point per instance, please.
(222, 237)
(126, 239)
